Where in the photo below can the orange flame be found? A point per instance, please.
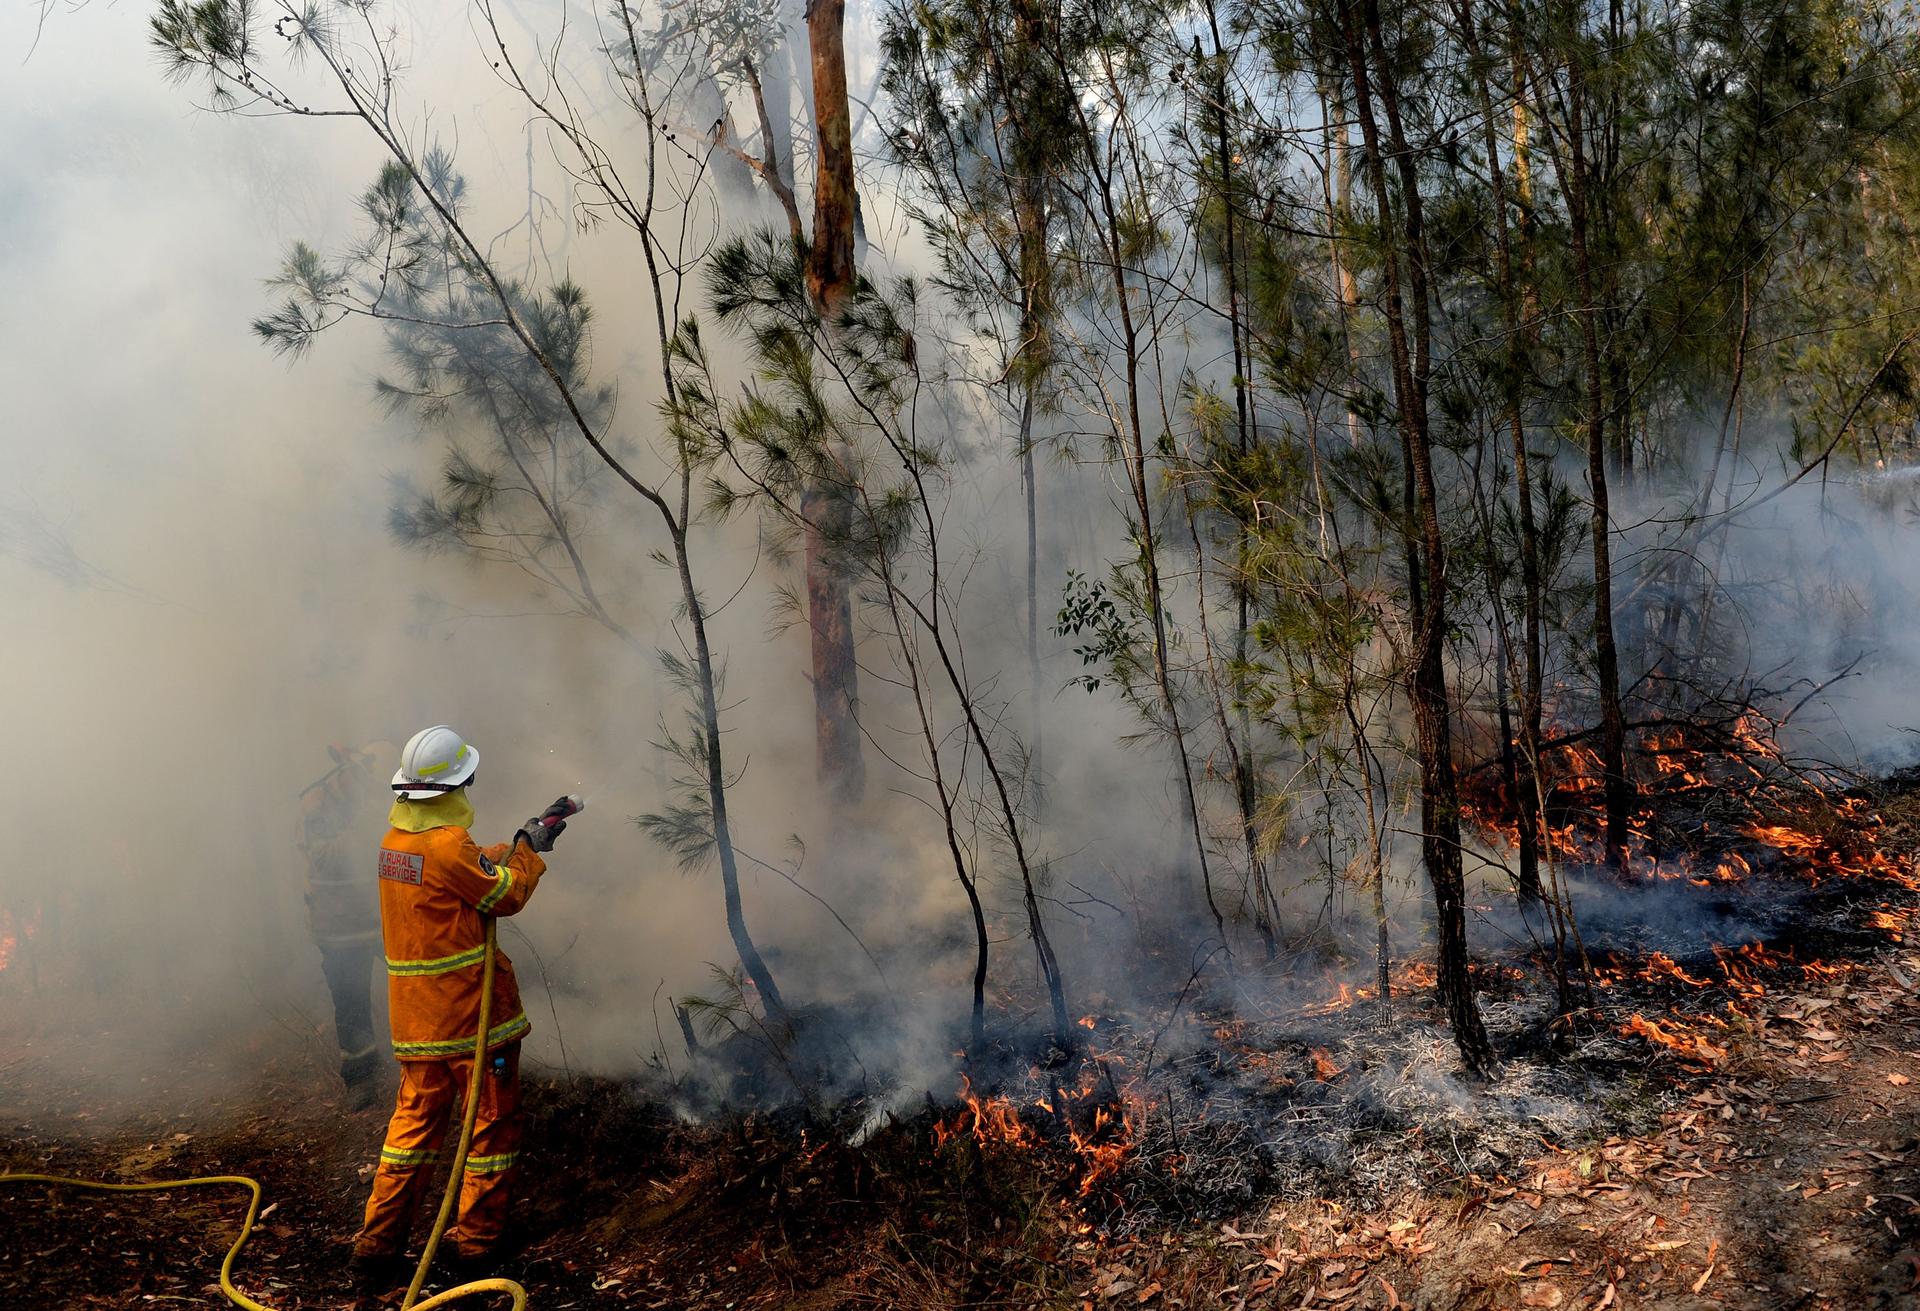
(13, 931)
(986, 1120)
(1103, 1146)
(1676, 1037)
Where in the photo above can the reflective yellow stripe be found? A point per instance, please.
(439, 965)
(409, 1156)
(499, 1033)
(503, 880)
(491, 1164)
(430, 770)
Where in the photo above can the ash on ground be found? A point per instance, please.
(1353, 1107)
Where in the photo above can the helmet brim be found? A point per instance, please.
(413, 790)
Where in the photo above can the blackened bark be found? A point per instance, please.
(1523, 769)
(1410, 353)
(1605, 654)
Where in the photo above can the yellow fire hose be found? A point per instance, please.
(452, 1295)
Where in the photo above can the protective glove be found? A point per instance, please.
(540, 835)
(559, 809)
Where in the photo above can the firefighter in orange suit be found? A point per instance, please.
(436, 888)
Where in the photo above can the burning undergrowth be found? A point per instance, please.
(1293, 1079)
(1745, 875)
(1347, 1101)
(1029, 1164)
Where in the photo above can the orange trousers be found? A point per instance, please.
(431, 1099)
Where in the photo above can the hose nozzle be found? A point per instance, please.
(565, 808)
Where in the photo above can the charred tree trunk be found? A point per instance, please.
(1409, 334)
(1605, 653)
(1524, 768)
(830, 276)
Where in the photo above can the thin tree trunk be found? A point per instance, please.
(1376, 853)
(1133, 446)
(775, 169)
(778, 75)
(750, 957)
(1256, 891)
(1606, 657)
(1339, 214)
(1523, 772)
(1440, 811)
(1245, 782)
(977, 1028)
(1036, 740)
(830, 278)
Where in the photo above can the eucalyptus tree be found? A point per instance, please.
(830, 280)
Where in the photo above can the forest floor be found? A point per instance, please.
(1788, 1177)
(1773, 1164)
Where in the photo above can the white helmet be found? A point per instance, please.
(435, 760)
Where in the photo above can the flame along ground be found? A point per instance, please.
(1744, 815)
(1098, 1124)
(1726, 810)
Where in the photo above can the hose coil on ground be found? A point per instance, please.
(474, 1289)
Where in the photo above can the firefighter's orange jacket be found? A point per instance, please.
(436, 886)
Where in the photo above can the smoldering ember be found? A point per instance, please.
(961, 654)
